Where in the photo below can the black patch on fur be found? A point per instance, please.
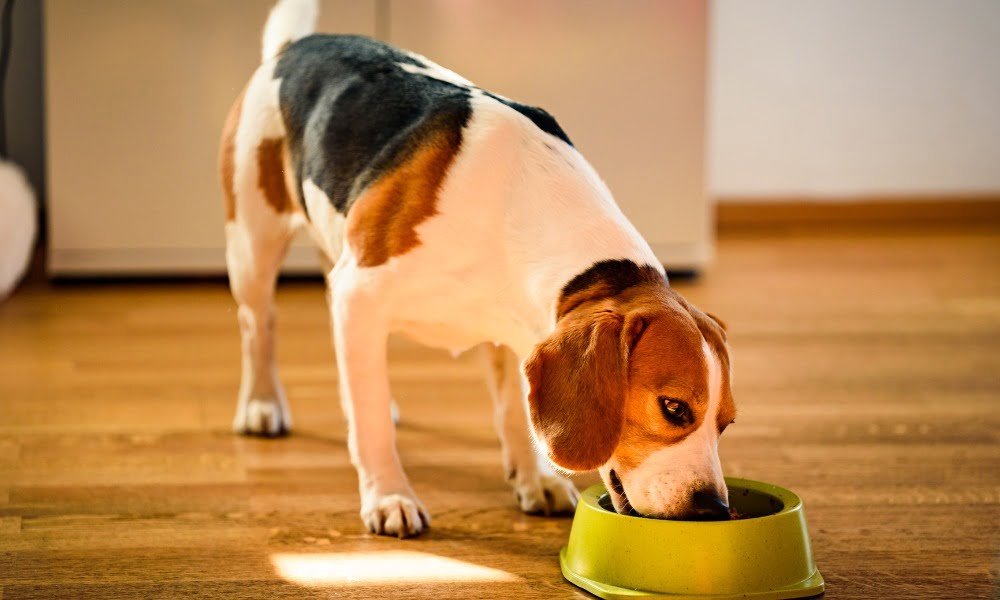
(542, 119)
(352, 114)
(616, 275)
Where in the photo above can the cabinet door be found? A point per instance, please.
(625, 79)
(136, 94)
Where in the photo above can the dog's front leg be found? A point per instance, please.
(388, 503)
(537, 487)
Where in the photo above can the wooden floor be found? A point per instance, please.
(867, 379)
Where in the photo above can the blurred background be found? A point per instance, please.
(829, 170)
(770, 110)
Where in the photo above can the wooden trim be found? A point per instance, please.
(737, 213)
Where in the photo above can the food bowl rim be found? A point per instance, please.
(791, 501)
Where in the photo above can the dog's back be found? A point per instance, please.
(403, 162)
(350, 111)
(353, 113)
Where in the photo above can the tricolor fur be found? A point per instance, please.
(462, 218)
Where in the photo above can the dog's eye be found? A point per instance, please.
(676, 411)
(676, 408)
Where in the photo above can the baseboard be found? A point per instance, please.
(70, 263)
(99, 262)
(685, 256)
(737, 213)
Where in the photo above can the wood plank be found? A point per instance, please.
(866, 380)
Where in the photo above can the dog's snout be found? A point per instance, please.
(709, 506)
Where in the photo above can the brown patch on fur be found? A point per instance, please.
(227, 160)
(596, 381)
(271, 162)
(291, 182)
(719, 322)
(577, 392)
(668, 360)
(382, 222)
(714, 331)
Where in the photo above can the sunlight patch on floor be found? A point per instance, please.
(373, 568)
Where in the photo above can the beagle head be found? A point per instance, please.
(635, 382)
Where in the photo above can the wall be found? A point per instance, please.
(846, 98)
(137, 92)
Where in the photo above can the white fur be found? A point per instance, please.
(256, 241)
(519, 214)
(665, 481)
(327, 225)
(434, 71)
(18, 225)
(288, 21)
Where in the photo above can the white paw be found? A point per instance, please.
(263, 416)
(545, 493)
(401, 515)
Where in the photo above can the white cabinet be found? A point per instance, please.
(136, 93)
(625, 79)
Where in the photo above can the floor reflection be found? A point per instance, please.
(386, 567)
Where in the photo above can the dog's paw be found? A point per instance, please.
(545, 493)
(265, 417)
(400, 515)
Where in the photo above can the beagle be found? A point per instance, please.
(463, 219)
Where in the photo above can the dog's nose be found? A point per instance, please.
(708, 506)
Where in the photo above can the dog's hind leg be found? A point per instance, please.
(253, 264)
(537, 487)
(254, 164)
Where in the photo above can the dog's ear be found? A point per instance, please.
(710, 325)
(718, 321)
(578, 381)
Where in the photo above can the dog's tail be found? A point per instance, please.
(289, 20)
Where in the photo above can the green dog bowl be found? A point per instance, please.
(763, 555)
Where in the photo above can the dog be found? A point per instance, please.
(464, 219)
